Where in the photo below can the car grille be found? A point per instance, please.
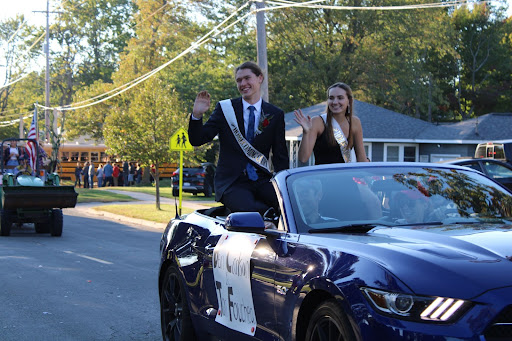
(501, 328)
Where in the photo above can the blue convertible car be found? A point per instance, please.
(363, 251)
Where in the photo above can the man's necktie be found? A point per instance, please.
(251, 171)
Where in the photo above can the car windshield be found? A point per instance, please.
(395, 196)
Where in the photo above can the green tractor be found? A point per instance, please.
(29, 198)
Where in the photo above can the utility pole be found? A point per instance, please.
(262, 47)
(47, 74)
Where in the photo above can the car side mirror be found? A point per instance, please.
(250, 222)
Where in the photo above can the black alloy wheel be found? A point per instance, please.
(329, 323)
(175, 318)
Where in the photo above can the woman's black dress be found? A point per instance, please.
(326, 153)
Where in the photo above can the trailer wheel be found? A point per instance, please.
(57, 222)
(5, 223)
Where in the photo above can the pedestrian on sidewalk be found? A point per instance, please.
(138, 174)
(108, 170)
(131, 174)
(78, 174)
(115, 174)
(100, 175)
(85, 174)
(126, 171)
(91, 175)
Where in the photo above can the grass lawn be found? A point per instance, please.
(145, 211)
(165, 191)
(97, 195)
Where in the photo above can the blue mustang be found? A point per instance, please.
(363, 251)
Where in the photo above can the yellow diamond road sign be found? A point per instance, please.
(179, 141)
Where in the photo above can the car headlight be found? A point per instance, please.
(417, 308)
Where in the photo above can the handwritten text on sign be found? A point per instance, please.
(231, 271)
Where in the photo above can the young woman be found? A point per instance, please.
(334, 137)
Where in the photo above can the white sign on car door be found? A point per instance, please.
(231, 271)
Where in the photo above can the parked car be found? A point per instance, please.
(198, 179)
(346, 260)
(494, 169)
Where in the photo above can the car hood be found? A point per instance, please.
(459, 261)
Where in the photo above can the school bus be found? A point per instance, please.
(70, 154)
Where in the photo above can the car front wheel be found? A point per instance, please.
(174, 313)
(328, 323)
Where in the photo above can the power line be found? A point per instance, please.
(32, 46)
(15, 33)
(142, 78)
(12, 115)
(284, 4)
(215, 31)
(42, 36)
(13, 122)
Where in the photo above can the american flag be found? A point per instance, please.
(31, 146)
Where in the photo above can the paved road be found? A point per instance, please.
(96, 282)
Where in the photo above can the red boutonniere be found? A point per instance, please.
(264, 122)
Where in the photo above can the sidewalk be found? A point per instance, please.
(140, 198)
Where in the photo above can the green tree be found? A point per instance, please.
(484, 55)
(141, 121)
(141, 131)
(20, 47)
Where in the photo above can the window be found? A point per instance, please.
(400, 152)
(65, 156)
(368, 150)
(84, 156)
(94, 156)
(410, 153)
(392, 153)
(497, 171)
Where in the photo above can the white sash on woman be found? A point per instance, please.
(252, 153)
(348, 155)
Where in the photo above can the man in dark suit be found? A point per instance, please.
(243, 184)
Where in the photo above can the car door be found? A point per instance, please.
(227, 307)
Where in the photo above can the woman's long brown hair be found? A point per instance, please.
(348, 115)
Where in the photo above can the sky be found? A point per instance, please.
(10, 8)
